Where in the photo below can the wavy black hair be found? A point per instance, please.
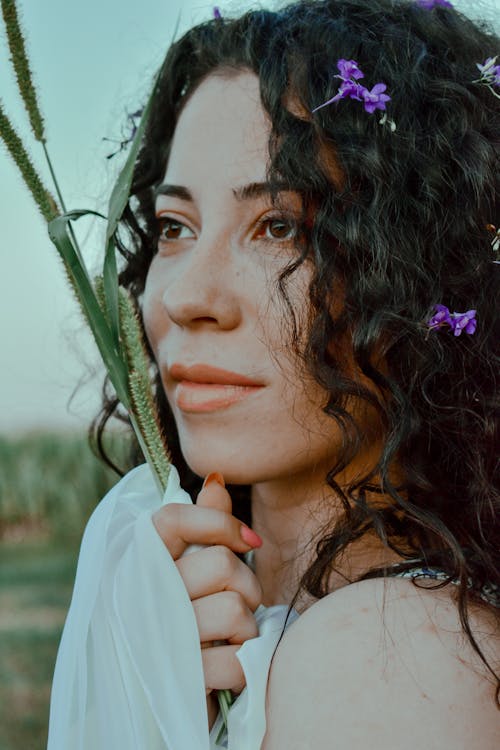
(400, 224)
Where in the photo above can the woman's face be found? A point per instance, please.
(213, 316)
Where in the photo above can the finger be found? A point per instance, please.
(180, 525)
(224, 617)
(222, 670)
(214, 494)
(215, 569)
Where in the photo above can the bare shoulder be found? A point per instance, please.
(385, 665)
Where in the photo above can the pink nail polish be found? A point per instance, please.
(250, 537)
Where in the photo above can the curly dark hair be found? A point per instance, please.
(400, 224)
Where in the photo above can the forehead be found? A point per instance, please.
(222, 134)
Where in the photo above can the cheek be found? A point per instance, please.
(287, 318)
(153, 312)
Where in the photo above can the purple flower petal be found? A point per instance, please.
(488, 63)
(470, 328)
(490, 72)
(464, 322)
(375, 99)
(352, 90)
(216, 11)
(430, 4)
(441, 317)
(347, 90)
(349, 69)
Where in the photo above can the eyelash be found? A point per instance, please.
(165, 222)
(285, 220)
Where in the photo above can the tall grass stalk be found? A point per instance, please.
(25, 84)
(42, 197)
(22, 69)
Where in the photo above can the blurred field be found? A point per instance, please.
(49, 485)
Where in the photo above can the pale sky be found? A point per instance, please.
(93, 61)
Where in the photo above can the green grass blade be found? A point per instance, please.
(116, 367)
(225, 699)
(117, 202)
(110, 282)
(77, 213)
(120, 194)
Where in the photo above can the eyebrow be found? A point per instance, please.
(248, 192)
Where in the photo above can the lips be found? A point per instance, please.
(210, 375)
(203, 388)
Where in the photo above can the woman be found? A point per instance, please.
(316, 193)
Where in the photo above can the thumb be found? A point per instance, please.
(213, 494)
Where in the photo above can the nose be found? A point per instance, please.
(204, 287)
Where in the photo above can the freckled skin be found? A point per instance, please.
(211, 296)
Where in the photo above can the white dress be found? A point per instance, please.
(129, 672)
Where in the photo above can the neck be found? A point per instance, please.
(291, 517)
(286, 518)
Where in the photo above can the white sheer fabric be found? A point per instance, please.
(129, 672)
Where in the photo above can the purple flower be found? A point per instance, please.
(350, 74)
(458, 322)
(441, 317)
(350, 90)
(430, 4)
(490, 72)
(216, 11)
(349, 69)
(464, 322)
(347, 90)
(375, 99)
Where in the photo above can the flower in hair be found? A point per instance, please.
(464, 322)
(430, 4)
(490, 72)
(440, 318)
(375, 99)
(349, 88)
(349, 69)
(458, 322)
(216, 11)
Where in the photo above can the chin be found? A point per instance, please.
(245, 461)
(239, 461)
(210, 461)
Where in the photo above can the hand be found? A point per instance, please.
(224, 591)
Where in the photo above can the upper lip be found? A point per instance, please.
(201, 373)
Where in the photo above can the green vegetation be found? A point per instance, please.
(49, 485)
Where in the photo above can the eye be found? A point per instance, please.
(171, 229)
(277, 228)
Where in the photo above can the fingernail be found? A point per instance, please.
(215, 476)
(250, 537)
